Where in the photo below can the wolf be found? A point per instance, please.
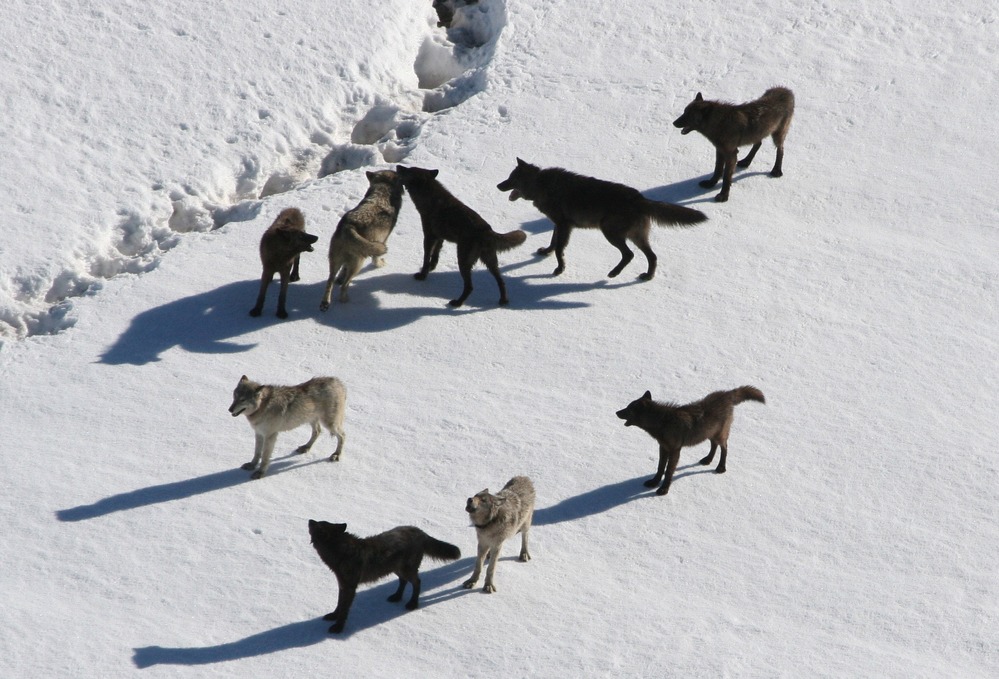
(280, 247)
(271, 409)
(357, 560)
(620, 212)
(675, 427)
(444, 217)
(363, 231)
(729, 126)
(497, 518)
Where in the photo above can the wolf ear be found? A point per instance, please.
(647, 395)
(370, 174)
(520, 162)
(434, 173)
(698, 97)
(339, 527)
(244, 378)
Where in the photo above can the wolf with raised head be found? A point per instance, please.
(355, 561)
(729, 126)
(445, 218)
(572, 200)
(271, 409)
(675, 427)
(363, 231)
(280, 248)
(496, 519)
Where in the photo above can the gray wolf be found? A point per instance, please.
(280, 247)
(357, 560)
(271, 409)
(675, 427)
(729, 126)
(363, 231)
(620, 212)
(497, 518)
(444, 217)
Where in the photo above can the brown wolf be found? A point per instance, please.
(619, 211)
(444, 217)
(356, 560)
(280, 247)
(497, 518)
(363, 231)
(729, 126)
(675, 427)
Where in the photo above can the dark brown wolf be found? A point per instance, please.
(620, 212)
(362, 232)
(729, 126)
(280, 247)
(357, 560)
(444, 217)
(675, 427)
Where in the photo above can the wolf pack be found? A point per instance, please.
(569, 200)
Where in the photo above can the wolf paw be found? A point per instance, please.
(646, 276)
(525, 557)
(776, 173)
(707, 183)
(662, 491)
(255, 311)
(333, 458)
(420, 276)
(489, 589)
(468, 584)
(324, 306)
(721, 198)
(302, 450)
(395, 597)
(412, 605)
(652, 483)
(336, 628)
(257, 475)
(249, 466)
(455, 303)
(544, 252)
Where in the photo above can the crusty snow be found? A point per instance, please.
(145, 149)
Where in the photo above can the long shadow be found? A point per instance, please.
(591, 502)
(370, 609)
(689, 191)
(177, 490)
(206, 323)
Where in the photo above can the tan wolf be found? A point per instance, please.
(271, 409)
(355, 561)
(280, 247)
(497, 518)
(729, 126)
(573, 200)
(675, 427)
(363, 232)
(444, 217)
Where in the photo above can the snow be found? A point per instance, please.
(147, 148)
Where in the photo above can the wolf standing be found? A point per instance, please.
(280, 247)
(729, 126)
(356, 560)
(444, 217)
(271, 409)
(620, 212)
(363, 231)
(497, 518)
(676, 427)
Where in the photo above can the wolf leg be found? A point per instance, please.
(489, 587)
(258, 449)
(719, 166)
(663, 456)
(265, 280)
(674, 458)
(749, 156)
(265, 460)
(328, 293)
(614, 236)
(350, 270)
(307, 446)
(466, 259)
(492, 264)
(283, 294)
(525, 555)
(344, 599)
(341, 436)
(710, 456)
(294, 270)
(477, 571)
(561, 239)
(730, 157)
(414, 598)
(397, 595)
(724, 455)
(642, 241)
(777, 171)
(431, 253)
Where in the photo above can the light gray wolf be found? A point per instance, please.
(497, 518)
(729, 126)
(280, 247)
(356, 560)
(271, 409)
(675, 427)
(444, 217)
(572, 200)
(363, 231)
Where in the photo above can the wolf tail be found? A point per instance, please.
(674, 215)
(442, 551)
(509, 240)
(367, 248)
(747, 393)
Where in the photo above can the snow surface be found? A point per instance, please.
(147, 147)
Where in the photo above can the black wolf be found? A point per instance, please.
(280, 247)
(675, 427)
(620, 212)
(729, 126)
(357, 560)
(444, 217)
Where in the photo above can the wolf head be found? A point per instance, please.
(245, 397)
(635, 410)
(482, 507)
(693, 116)
(415, 176)
(323, 532)
(288, 233)
(520, 183)
(385, 177)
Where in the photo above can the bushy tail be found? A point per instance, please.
(509, 240)
(442, 551)
(368, 248)
(674, 215)
(747, 393)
